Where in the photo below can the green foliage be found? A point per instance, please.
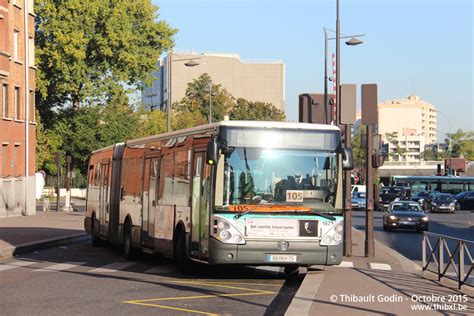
(357, 151)
(461, 144)
(47, 143)
(87, 49)
(395, 151)
(196, 100)
(257, 111)
(150, 123)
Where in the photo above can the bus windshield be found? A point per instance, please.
(292, 179)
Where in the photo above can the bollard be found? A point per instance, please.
(46, 205)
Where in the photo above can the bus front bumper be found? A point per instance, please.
(267, 252)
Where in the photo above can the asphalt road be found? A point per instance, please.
(80, 279)
(408, 243)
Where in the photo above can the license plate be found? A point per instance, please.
(281, 258)
(407, 223)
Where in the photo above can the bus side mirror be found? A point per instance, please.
(211, 154)
(347, 159)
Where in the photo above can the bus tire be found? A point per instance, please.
(95, 239)
(292, 270)
(184, 264)
(129, 251)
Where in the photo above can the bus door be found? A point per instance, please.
(149, 198)
(200, 207)
(104, 197)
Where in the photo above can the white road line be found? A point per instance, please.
(16, 264)
(60, 267)
(380, 266)
(161, 270)
(113, 267)
(346, 264)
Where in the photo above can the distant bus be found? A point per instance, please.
(444, 184)
(231, 192)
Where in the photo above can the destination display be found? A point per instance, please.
(264, 227)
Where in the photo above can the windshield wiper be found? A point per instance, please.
(237, 216)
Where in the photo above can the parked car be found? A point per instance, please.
(390, 194)
(465, 200)
(443, 202)
(358, 201)
(405, 214)
(424, 198)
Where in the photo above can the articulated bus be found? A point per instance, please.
(232, 192)
(443, 184)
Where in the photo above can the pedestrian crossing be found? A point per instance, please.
(39, 267)
(114, 267)
(371, 265)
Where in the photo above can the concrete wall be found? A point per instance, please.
(12, 197)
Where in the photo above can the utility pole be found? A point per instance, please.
(58, 178)
(369, 218)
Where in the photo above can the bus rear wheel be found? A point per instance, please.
(95, 239)
(128, 251)
(184, 264)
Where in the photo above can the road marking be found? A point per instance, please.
(113, 267)
(380, 266)
(161, 270)
(16, 264)
(60, 267)
(346, 264)
(170, 307)
(253, 292)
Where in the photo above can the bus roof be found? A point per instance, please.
(432, 178)
(249, 124)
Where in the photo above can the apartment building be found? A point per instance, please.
(408, 125)
(17, 111)
(253, 80)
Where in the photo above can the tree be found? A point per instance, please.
(358, 151)
(87, 50)
(461, 144)
(47, 143)
(396, 152)
(196, 100)
(255, 110)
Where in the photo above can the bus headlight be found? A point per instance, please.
(225, 232)
(333, 236)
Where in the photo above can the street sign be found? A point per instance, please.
(370, 113)
(348, 101)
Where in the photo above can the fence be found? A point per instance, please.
(77, 180)
(459, 260)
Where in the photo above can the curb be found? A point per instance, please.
(42, 244)
(304, 297)
(407, 264)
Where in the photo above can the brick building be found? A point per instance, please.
(17, 111)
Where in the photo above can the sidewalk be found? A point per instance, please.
(388, 284)
(45, 229)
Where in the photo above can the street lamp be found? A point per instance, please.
(352, 42)
(191, 62)
(210, 100)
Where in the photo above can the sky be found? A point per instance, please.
(421, 47)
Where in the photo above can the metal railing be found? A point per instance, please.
(458, 259)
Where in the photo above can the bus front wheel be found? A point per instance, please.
(292, 270)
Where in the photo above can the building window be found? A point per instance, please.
(31, 101)
(15, 45)
(5, 100)
(4, 161)
(15, 166)
(31, 51)
(16, 103)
